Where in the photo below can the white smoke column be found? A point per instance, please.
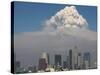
(66, 18)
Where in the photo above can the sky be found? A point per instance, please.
(30, 17)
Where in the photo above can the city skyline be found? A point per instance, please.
(83, 62)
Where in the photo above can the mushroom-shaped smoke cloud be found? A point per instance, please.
(68, 17)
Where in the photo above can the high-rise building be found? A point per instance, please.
(64, 64)
(67, 62)
(43, 61)
(79, 61)
(86, 60)
(75, 60)
(42, 64)
(46, 57)
(70, 59)
(58, 60)
(75, 54)
(17, 66)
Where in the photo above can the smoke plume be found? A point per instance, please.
(68, 17)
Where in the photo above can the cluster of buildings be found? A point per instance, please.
(73, 62)
(81, 61)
